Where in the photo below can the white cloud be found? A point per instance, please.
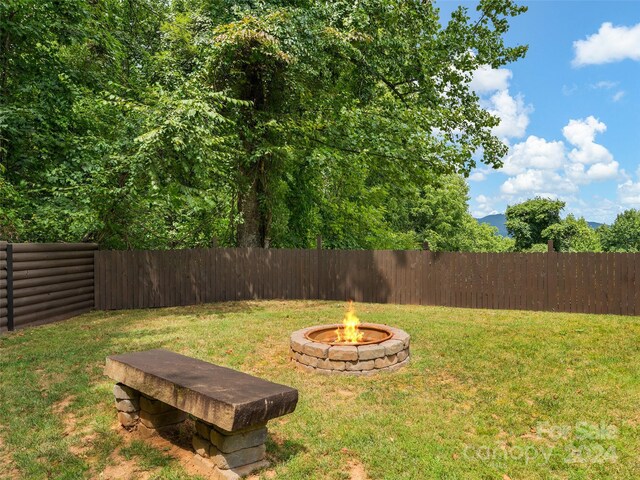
(493, 86)
(629, 193)
(590, 153)
(512, 112)
(610, 44)
(538, 182)
(581, 133)
(485, 206)
(605, 85)
(595, 173)
(618, 96)
(541, 167)
(596, 209)
(478, 176)
(536, 153)
(603, 171)
(487, 79)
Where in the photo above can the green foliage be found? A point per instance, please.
(624, 233)
(9, 217)
(537, 248)
(573, 235)
(481, 237)
(527, 220)
(155, 124)
(440, 215)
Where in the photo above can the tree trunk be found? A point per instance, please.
(256, 221)
(253, 203)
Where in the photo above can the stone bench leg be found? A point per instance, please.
(157, 416)
(149, 415)
(128, 405)
(230, 455)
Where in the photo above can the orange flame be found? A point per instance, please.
(349, 332)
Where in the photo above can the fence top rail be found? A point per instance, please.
(52, 247)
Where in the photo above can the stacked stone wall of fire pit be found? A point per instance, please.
(318, 357)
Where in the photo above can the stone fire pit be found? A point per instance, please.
(381, 348)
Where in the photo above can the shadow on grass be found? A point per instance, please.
(217, 308)
(159, 449)
(282, 451)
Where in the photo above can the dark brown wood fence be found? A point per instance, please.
(44, 282)
(567, 282)
(3, 285)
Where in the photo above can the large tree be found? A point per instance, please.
(381, 85)
(526, 221)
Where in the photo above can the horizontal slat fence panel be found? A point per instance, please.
(576, 282)
(3, 286)
(46, 282)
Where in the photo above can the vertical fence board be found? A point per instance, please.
(621, 279)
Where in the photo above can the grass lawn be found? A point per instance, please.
(487, 394)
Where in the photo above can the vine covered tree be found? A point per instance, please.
(381, 86)
(155, 124)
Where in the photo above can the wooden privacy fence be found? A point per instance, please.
(568, 282)
(3, 285)
(44, 282)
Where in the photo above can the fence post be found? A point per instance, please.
(10, 325)
(319, 254)
(552, 280)
(425, 273)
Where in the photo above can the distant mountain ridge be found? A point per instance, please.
(498, 220)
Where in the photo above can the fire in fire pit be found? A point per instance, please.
(350, 332)
(350, 348)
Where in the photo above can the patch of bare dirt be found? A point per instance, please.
(357, 471)
(68, 418)
(7, 467)
(267, 474)
(123, 469)
(176, 445)
(82, 436)
(59, 407)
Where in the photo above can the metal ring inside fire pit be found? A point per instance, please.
(327, 334)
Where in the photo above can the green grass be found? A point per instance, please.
(482, 389)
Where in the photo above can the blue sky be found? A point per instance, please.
(570, 109)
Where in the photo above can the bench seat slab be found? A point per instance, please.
(221, 396)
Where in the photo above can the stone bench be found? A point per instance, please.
(157, 389)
